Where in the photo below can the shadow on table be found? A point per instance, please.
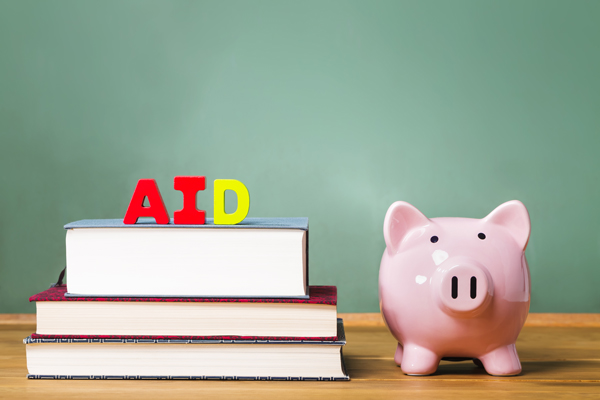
(557, 370)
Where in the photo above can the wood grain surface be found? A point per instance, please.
(533, 319)
(558, 362)
(375, 319)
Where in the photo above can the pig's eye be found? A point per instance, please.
(481, 236)
(434, 239)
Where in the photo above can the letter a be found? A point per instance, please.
(222, 218)
(156, 209)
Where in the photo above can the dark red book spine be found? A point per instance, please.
(220, 338)
(318, 295)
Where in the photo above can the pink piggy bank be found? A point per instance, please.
(455, 287)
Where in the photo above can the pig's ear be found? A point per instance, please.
(513, 216)
(400, 219)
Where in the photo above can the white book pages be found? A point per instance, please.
(187, 262)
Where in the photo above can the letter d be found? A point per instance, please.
(243, 198)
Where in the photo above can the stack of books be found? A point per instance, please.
(150, 301)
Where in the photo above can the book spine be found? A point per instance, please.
(193, 378)
(41, 339)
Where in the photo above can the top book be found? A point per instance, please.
(261, 257)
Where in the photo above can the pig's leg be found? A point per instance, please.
(417, 360)
(503, 361)
(398, 355)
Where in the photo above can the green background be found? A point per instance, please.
(326, 109)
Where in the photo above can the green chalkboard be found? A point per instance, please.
(326, 109)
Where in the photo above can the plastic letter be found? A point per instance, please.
(156, 209)
(189, 214)
(243, 197)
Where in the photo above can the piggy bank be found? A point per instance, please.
(455, 288)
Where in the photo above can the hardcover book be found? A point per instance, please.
(178, 358)
(260, 257)
(98, 317)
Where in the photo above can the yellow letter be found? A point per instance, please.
(243, 198)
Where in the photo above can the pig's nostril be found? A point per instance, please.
(454, 287)
(473, 287)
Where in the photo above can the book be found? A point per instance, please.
(135, 358)
(96, 317)
(260, 257)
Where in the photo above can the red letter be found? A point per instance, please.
(189, 214)
(157, 210)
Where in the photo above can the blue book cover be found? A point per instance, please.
(257, 258)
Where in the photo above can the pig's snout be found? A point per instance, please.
(463, 288)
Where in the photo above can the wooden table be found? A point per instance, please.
(558, 362)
